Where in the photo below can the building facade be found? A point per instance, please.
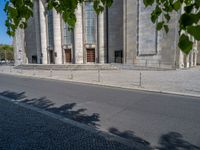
(121, 34)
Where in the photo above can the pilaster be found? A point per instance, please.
(57, 37)
(43, 32)
(37, 30)
(102, 37)
(78, 36)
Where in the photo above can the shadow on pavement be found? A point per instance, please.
(66, 110)
(169, 141)
(175, 141)
(140, 143)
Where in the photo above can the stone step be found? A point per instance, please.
(137, 67)
(67, 67)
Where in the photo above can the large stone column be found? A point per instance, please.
(102, 37)
(181, 60)
(43, 32)
(19, 47)
(57, 37)
(78, 36)
(37, 30)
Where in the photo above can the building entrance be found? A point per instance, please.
(51, 57)
(119, 56)
(68, 56)
(90, 55)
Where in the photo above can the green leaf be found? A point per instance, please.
(167, 17)
(177, 5)
(194, 31)
(166, 28)
(185, 44)
(156, 13)
(188, 19)
(148, 2)
(159, 25)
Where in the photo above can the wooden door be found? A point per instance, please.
(90, 55)
(68, 56)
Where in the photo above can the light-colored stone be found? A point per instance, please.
(102, 37)
(126, 29)
(43, 32)
(57, 37)
(78, 33)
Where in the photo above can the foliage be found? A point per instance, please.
(19, 11)
(189, 27)
(6, 52)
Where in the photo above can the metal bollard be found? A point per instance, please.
(99, 76)
(34, 71)
(159, 63)
(10, 69)
(72, 75)
(51, 73)
(140, 83)
(146, 63)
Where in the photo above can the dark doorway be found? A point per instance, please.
(34, 59)
(68, 56)
(119, 56)
(51, 57)
(90, 55)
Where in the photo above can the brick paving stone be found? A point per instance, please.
(23, 129)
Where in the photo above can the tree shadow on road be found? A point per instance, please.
(169, 141)
(68, 110)
(13, 95)
(140, 144)
(175, 141)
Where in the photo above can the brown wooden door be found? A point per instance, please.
(68, 56)
(90, 55)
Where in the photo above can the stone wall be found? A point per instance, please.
(142, 43)
(30, 38)
(130, 30)
(115, 29)
(20, 55)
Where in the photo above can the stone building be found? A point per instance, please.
(121, 34)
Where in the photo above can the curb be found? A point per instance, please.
(107, 85)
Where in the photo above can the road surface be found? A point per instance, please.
(165, 121)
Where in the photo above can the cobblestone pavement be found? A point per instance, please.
(23, 129)
(180, 81)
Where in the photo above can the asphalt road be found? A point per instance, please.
(166, 121)
(24, 129)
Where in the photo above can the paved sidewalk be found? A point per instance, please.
(186, 82)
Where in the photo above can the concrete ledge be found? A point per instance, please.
(68, 67)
